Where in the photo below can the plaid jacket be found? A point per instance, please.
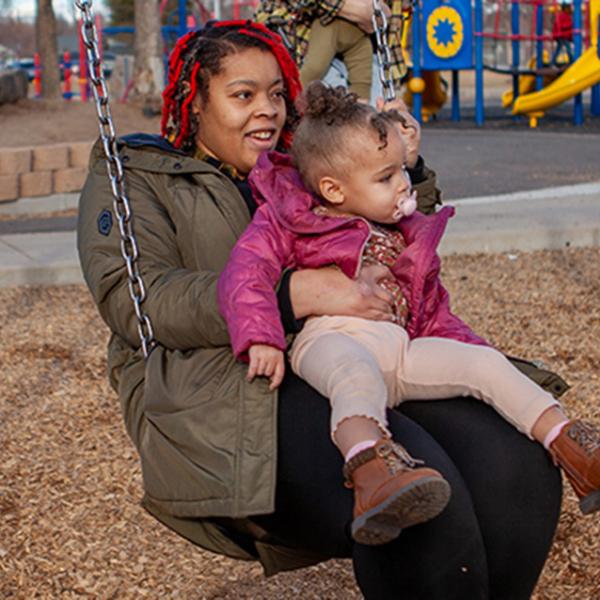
(292, 19)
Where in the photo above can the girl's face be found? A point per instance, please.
(245, 110)
(377, 186)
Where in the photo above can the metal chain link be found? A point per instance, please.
(384, 59)
(121, 205)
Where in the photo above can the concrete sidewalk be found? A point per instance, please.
(551, 218)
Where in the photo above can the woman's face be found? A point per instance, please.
(245, 110)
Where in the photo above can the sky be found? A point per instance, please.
(64, 8)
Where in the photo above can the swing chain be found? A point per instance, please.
(121, 205)
(384, 59)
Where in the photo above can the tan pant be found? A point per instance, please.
(344, 38)
(365, 366)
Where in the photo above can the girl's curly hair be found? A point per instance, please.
(198, 56)
(328, 114)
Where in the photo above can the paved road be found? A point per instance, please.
(487, 162)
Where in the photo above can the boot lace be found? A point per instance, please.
(397, 458)
(394, 456)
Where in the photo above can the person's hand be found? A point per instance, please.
(327, 291)
(266, 361)
(360, 12)
(409, 128)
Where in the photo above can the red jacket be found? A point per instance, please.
(562, 28)
(286, 233)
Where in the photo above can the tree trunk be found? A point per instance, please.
(45, 29)
(148, 69)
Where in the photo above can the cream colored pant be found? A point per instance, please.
(365, 366)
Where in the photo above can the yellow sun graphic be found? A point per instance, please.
(445, 32)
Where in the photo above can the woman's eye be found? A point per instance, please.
(386, 178)
(279, 94)
(243, 95)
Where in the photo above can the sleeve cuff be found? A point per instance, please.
(417, 173)
(288, 320)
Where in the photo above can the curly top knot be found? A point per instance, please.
(334, 105)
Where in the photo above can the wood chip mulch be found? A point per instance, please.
(70, 523)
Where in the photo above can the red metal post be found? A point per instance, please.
(37, 75)
(83, 91)
(67, 93)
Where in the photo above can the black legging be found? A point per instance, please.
(489, 543)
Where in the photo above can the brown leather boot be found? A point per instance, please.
(577, 451)
(391, 492)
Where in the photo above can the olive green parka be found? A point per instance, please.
(205, 435)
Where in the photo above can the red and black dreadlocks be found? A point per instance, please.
(198, 55)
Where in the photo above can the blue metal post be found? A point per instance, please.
(417, 98)
(516, 59)
(577, 48)
(182, 11)
(479, 102)
(455, 96)
(539, 45)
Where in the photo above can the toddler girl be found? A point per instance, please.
(346, 200)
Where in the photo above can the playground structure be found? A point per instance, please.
(447, 36)
(450, 35)
(584, 72)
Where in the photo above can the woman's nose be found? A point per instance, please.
(266, 106)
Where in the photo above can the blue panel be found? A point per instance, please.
(447, 29)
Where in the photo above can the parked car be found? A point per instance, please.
(27, 65)
(24, 64)
(108, 63)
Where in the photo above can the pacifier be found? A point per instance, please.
(406, 207)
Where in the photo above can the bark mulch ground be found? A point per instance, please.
(70, 524)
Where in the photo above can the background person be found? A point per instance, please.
(317, 31)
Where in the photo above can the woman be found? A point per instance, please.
(228, 464)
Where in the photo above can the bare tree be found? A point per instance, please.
(45, 33)
(148, 70)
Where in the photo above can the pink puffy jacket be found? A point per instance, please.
(286, 233)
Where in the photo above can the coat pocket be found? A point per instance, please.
(188, 447)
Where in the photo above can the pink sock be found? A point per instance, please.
(553, 433)
(359, 448)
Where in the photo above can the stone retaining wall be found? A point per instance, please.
(43, 170)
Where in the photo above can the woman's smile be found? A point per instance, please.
(263, 139)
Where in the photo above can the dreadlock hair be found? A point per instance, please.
(198, 56)
(328, 115)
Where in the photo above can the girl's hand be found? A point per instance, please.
(266, 361)
(328, 291)
(410, 130)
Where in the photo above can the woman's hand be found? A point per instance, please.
(360, 12)
(266, 361)
(410, 130)
(328, 291)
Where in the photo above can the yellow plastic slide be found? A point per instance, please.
(527, 82)
(582, 74)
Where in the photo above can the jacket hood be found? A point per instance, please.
(154, 154)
